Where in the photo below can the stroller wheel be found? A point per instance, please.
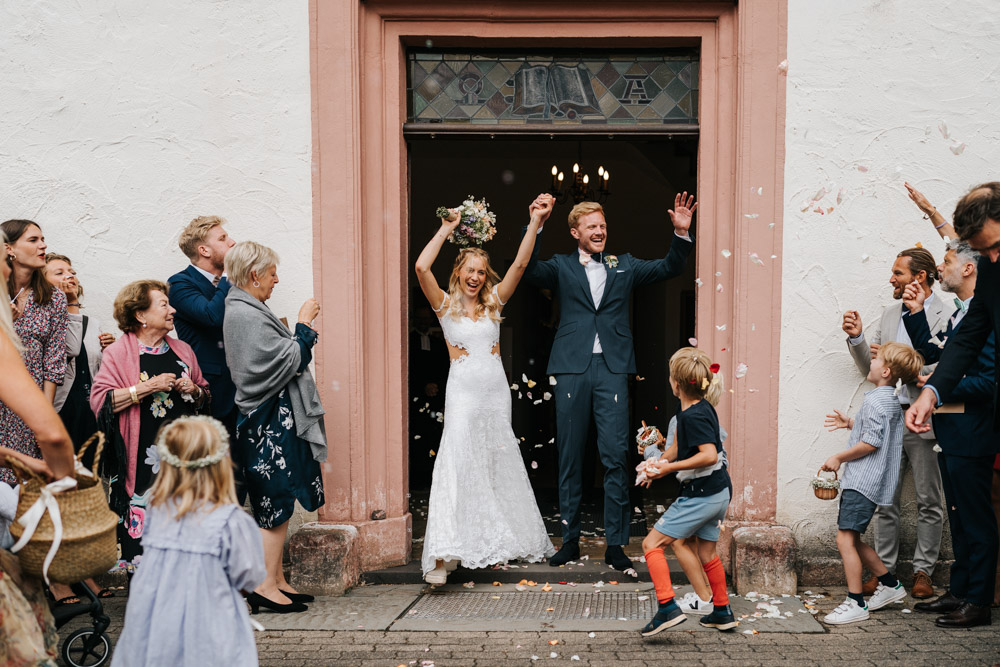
(85, 648)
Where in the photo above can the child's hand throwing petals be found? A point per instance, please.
(832, 464)
(837, 420)
(657, 469)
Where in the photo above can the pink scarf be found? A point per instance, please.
(120, 370)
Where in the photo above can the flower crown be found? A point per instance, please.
(205, 461)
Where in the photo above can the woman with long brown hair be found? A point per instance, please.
(482, 510)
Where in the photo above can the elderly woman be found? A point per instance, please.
(146, 378)
(280, 433)
(40, 320)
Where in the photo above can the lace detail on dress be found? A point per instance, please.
(482, 510)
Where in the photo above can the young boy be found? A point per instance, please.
(872, 461)
(704, 497)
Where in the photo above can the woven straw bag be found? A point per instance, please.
(88, 545)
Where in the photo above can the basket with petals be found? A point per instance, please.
(825, 489)
(477, 223)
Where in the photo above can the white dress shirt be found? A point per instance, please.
(211, 277)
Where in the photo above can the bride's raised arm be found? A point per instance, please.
(431, 290)
(540, 210)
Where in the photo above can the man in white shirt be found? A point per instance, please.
(911, 265)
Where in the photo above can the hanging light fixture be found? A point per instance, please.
(580, 188)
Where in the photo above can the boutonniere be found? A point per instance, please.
(611, 261)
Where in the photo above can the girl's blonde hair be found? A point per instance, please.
(192, 484)
(6, 318)
(692, 370)
(487, 304)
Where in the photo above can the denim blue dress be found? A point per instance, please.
(185, 606)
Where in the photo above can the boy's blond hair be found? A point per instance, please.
(582, 209)
(196, 232)
(902, 361)
(191, 488)
(691, 369)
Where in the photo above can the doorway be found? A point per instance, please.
(646, 173)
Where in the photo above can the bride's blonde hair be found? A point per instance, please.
(487, 304)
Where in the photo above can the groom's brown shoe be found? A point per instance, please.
(945, 604)
(570, 551)
(967, 616)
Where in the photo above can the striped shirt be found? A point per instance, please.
(879, 423)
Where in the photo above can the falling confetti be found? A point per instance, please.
(534, 465)
(718, 288)
(693, 342)
(741, 370)
(552, 381)
(865, 258)
(416, 437)
(751, 216)
(755, 258)
(726, 254)
(697, 282)
(616, 398)
(943, 129)
(840, 196)
(637, 510)
(720, 327)
(639, 378)
(774, 257)
(432, 453)
(770, 225)
(783, 66)
(718, 273)
(536, 402)
(514, 387)
(547, 396)
(958, 148)
(862, 168)
(531, 383)
(661, 509)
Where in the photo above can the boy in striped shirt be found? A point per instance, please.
(871, 474)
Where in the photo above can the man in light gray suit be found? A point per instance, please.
(911, 265)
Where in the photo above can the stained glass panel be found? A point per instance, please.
(607, 88)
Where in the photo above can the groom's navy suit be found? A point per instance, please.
(589, 384)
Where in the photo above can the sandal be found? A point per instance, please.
(68, 600)
(105, 593)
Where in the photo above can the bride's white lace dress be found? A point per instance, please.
(482, 510)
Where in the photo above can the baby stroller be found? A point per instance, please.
(89, 646)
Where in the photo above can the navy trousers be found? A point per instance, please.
(968, 484)
(603, 395)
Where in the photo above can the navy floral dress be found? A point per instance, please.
(278, 465)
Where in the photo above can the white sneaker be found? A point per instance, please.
(692, 604)
(849, 611)
(884, 595)
(437, 576)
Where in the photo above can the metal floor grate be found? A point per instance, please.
(531, 606)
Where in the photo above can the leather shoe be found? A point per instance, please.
(569, 551)
(945, 604)
(616, 558)
(868, 588)
(923, 588)
(967, 616)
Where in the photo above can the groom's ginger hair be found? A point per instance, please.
(582, 209)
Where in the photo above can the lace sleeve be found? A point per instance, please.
(443, 302)
(496, 295)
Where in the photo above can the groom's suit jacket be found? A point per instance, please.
(580, 320)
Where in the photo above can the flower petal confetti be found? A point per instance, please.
(783, 66)
(720, 327)
(957, 148)
(697, 282)
(718, 288)
(726, 253)
(755, 258)
(943, 129)
(534, 465)
(741, 370)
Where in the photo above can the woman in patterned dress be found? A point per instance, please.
(40, 320)
(280, 436)
(147, 378)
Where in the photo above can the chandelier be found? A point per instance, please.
(580, 189)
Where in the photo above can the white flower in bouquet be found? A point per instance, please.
(477, 224)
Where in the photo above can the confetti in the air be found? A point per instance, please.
(697, 281)
(726, 254)
(534, 465)
(751, 216)
(741, 370)
(552, 381)
(547, 396)
(720, 327)
(943, 129)
(862, 168)
(432, 453)
(693, 342)
(958, 148)
(755, 258)
(783, 66)
(718, 288)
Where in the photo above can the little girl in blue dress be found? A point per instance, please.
(200, 550)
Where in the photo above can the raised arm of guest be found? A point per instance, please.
(942, 225)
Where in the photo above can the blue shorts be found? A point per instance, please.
(695, 516)
(856, 511)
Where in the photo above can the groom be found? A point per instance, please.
(591, 360)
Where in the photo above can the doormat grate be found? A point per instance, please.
(532, 606)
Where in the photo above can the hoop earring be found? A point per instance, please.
(256, 284)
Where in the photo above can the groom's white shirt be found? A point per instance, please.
(597, 276)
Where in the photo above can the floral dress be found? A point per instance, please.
(155, 410)
(42, 330)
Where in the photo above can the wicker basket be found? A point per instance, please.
(826, 493)
(88, 546)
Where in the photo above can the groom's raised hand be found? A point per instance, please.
(682, 212)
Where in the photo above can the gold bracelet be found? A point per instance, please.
(133, 395)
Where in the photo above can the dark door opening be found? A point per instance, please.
(646, 173)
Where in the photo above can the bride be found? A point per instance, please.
(482, 510)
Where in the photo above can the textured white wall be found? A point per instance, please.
(121, 121)
(869, 83)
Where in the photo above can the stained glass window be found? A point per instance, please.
(607, 88)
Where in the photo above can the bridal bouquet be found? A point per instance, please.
(477, 225)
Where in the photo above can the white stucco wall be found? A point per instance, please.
(869, 83)
(121, 121)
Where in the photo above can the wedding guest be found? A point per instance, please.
(40, 320)
(199, 295)
(147, 378)
(427, 379)
(28, 631)
(912, 264)
(202, 550)
(280, 433)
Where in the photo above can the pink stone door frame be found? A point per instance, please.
(360, 220)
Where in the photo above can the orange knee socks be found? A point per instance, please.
(716, 579)
(656, 561)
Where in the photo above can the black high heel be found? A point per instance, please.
(298, 597)
(257, 601)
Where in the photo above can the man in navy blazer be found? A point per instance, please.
(592, 357)
(968, 447)
(198, 293)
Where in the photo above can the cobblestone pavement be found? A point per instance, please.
(890, 637)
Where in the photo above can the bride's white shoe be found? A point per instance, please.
(437, 576)
(451, 565)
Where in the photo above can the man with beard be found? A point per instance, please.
(911, 265)
(198, 293)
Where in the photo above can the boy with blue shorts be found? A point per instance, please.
(704, 499)
(871, 474)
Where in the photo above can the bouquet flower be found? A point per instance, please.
(477, 223)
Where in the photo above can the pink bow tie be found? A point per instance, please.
(585, 258)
